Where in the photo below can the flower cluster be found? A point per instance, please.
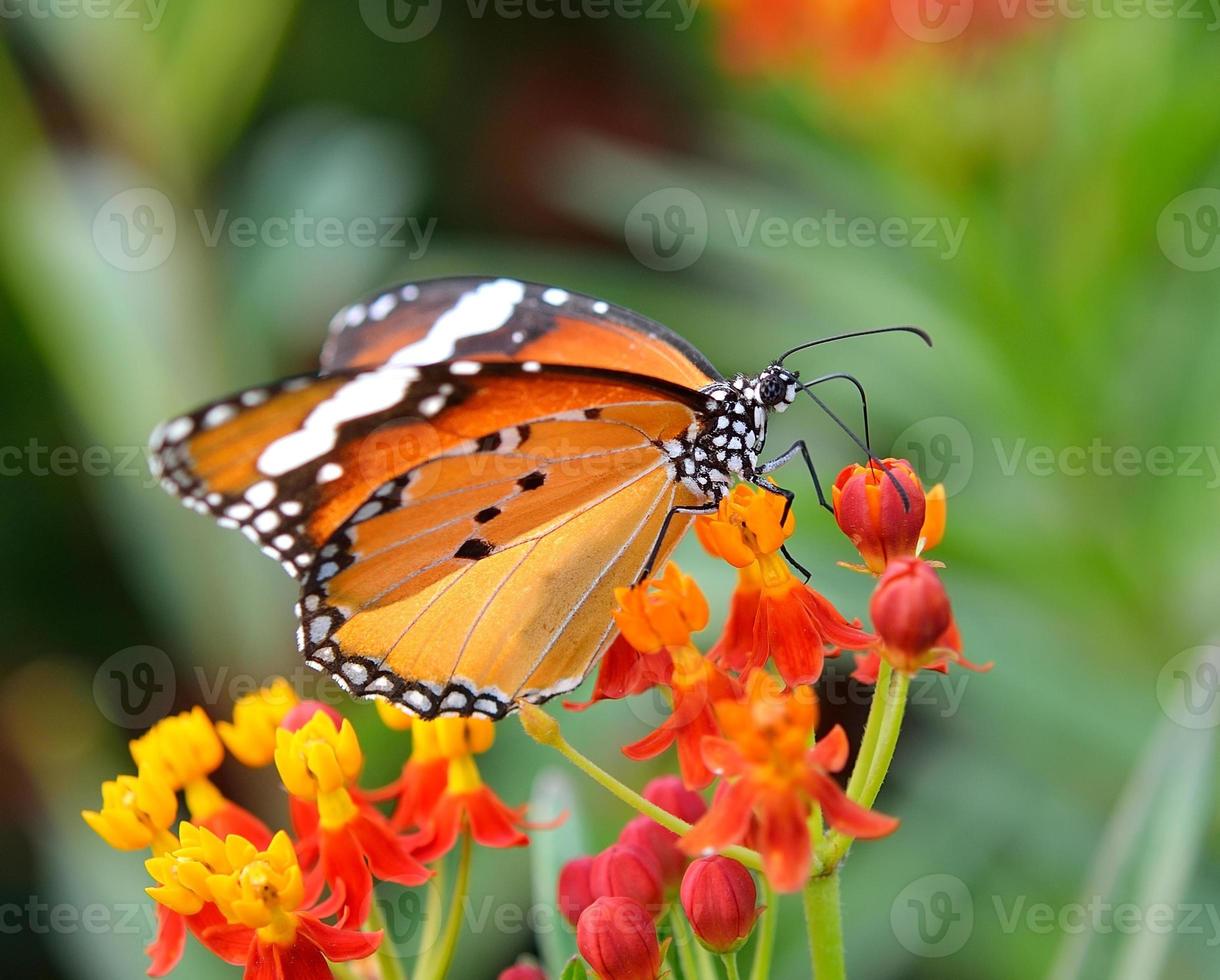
(260, 899)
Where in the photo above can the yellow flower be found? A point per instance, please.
(318, 762)
(182, 748)
(251, 736)
(263, 890)
(457, 737)
(136, 812)
(393, 717)
(182, 874)
(661, 612)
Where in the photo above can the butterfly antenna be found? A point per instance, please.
(844, 376)
(906, 501)
(905, 328)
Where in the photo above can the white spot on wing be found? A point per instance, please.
(555, 296)
(366, 394)
(482, 310)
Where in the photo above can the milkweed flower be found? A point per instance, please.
(773, 778)
(250, 737)
(881, 524)
(618, 939)
(911, 612)
(625, 671)
(424, 775)
(467, 804)
(574, 889)
(719, 898)
(268, 924)
(137, 812)
(627, 871)
(794, 626)
(662, 614)
(351, 840)
(882, 521)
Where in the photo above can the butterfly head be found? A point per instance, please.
(776, 387)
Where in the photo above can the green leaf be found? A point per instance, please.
(575, 970)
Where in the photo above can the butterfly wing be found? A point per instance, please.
(289, 464)
(505, 319)
(488, 574)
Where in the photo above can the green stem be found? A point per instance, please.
(633, 799)
(433, 917)
(453, 921)
(868, 742)
(824, 918)
(837, 843)
(760, 969)
(730, 966)
(388, 965)
(683, 943)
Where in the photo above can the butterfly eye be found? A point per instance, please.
(772, 390)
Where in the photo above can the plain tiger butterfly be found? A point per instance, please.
(475, 467)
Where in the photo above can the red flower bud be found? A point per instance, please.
(618, 940)
(870, 510)
(672, 796)
(718, 897)
(574, 894)
(648, 835)
(628, 871)
(522, 971)
(300, 714)
(911, 612)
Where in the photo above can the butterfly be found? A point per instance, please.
(476, 466)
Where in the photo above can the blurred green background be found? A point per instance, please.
(188, 190)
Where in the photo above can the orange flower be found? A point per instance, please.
(774, 778)
(661, 612)
(871, 511)
(624, 671)
(696, 684)
(794, 626)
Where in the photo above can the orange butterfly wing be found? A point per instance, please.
(483, 577)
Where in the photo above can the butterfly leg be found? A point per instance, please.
(788, 496)
(786, 457)
(709, 508)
